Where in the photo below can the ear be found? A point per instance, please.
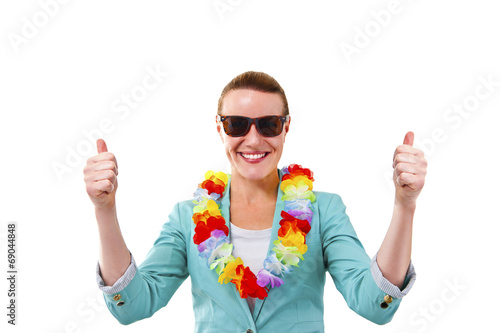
(287, 125)
(219, 129)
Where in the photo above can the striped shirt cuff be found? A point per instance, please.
(388, 287)
(121, 283)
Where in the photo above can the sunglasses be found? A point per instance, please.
(267, 126)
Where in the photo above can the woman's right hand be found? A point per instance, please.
(101, 183)
(100, 175)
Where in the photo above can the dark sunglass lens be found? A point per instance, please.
(270, 126)
(235, 126)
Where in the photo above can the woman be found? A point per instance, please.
(262, 229)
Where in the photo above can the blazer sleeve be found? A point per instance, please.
(356, 276)
(145, 289)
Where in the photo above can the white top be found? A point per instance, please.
(251, 246)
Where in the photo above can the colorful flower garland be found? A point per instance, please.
(211, 232)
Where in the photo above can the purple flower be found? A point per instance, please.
(299, 209)
(265, 277)
(208, 247)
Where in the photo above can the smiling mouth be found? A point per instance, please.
(253, 156)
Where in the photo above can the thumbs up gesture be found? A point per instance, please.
(100, 177)
(410, 168)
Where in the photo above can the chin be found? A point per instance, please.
(255, 172)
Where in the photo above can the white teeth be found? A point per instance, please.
(253, 156)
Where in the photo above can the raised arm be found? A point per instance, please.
(410, 168)
(100, 175)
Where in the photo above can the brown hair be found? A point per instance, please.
(258, 81)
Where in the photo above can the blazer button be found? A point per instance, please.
(117, 297)
(384, 305)
(249, 331)
(388, 299)
(120, 303)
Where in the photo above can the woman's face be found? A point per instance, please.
(253, 156)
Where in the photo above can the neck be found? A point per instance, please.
(251, 191)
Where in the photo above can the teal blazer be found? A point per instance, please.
(296, 306)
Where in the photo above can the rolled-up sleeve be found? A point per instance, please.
(387, 286)
(121, 283)
(357, 277)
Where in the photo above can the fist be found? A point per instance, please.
(410, 168)
(100, 176)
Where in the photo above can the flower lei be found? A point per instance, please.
(211, 232)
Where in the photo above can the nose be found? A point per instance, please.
(253, 136)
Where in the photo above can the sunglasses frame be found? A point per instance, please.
(252, 121)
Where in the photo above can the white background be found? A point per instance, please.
(349, 113)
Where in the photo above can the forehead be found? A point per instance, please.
(251, 103)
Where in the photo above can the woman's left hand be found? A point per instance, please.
(410, 168)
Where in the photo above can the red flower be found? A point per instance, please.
(203, 231)
(212, 187)
(247, 285)
(298, 170)
(289, 222)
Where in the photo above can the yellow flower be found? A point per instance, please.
(298, 181)
(213, 208)
(297, 188)
(220, 178)
(296, 239)
(230, 273)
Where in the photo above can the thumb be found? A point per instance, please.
(101, 146)
(409, 138)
